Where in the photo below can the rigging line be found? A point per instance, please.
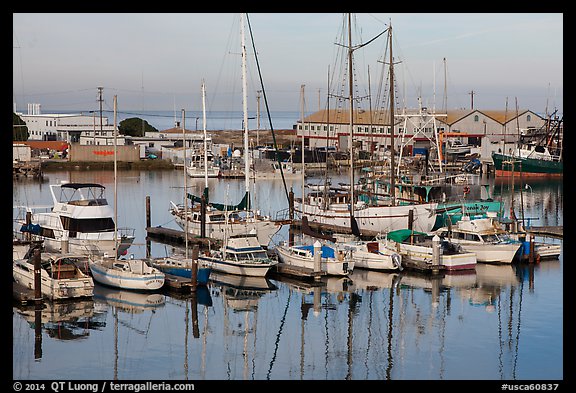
(278, 336)
(267, 108)
(516, 346)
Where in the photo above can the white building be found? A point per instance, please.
(72, 128)
(412, 128)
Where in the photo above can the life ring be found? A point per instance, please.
(466, 189)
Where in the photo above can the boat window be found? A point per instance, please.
(46, 232)
(259, 255)
(490, 238)
(87, 224)
(470, 236)
(217, 217)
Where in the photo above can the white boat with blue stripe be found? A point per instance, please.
(241, 254)
(133, 274)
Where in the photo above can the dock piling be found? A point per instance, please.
(194, 273)
(317, 259)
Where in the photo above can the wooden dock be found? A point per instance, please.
(421, 266)
(177, 283)
(305, 284)
(551, 231)
(22, 294)
(174, 236)
(334, 229)
(296, 271)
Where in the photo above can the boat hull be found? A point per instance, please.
(528, 166)
(492, 253)
(423, 255)
(182, 268)
(378, 219)
(199, 172)
(265, 229)
(55, 289)
(379, 259)
(230, 267)
(331, 266)
(106, 275)
(473, 208)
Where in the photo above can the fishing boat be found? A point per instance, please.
(481, 236)
(80, 221)
(342, 210)
(240, 254)
(530, 159)
(265, 168)
(202, 165)
(334, 261)
(417, 249)
(536, 154)
(60, 276)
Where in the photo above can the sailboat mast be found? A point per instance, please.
(325, 190)
(185, 184)
(351, 99)
(302, 152)
(245, 106)
(115, 181)
(392, 164)
(205, 142)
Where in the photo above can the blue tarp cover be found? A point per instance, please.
(32, 228)
(327, 252)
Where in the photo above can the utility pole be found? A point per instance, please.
(258, 117)
(471, 99)
(100, 100)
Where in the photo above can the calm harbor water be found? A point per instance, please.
(496, 323)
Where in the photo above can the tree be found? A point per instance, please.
(135, 126)
(19, 129)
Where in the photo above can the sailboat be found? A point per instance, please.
(342, 210)
(242, 252)
(134, 274)
(226, 220)
(183, 266)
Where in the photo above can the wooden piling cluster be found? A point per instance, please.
(27, 169)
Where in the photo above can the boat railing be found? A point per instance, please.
(282, 215)
(126, 232)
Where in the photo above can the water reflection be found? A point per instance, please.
(65, 320)
(497, 322)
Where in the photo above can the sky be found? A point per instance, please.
(157, 61)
